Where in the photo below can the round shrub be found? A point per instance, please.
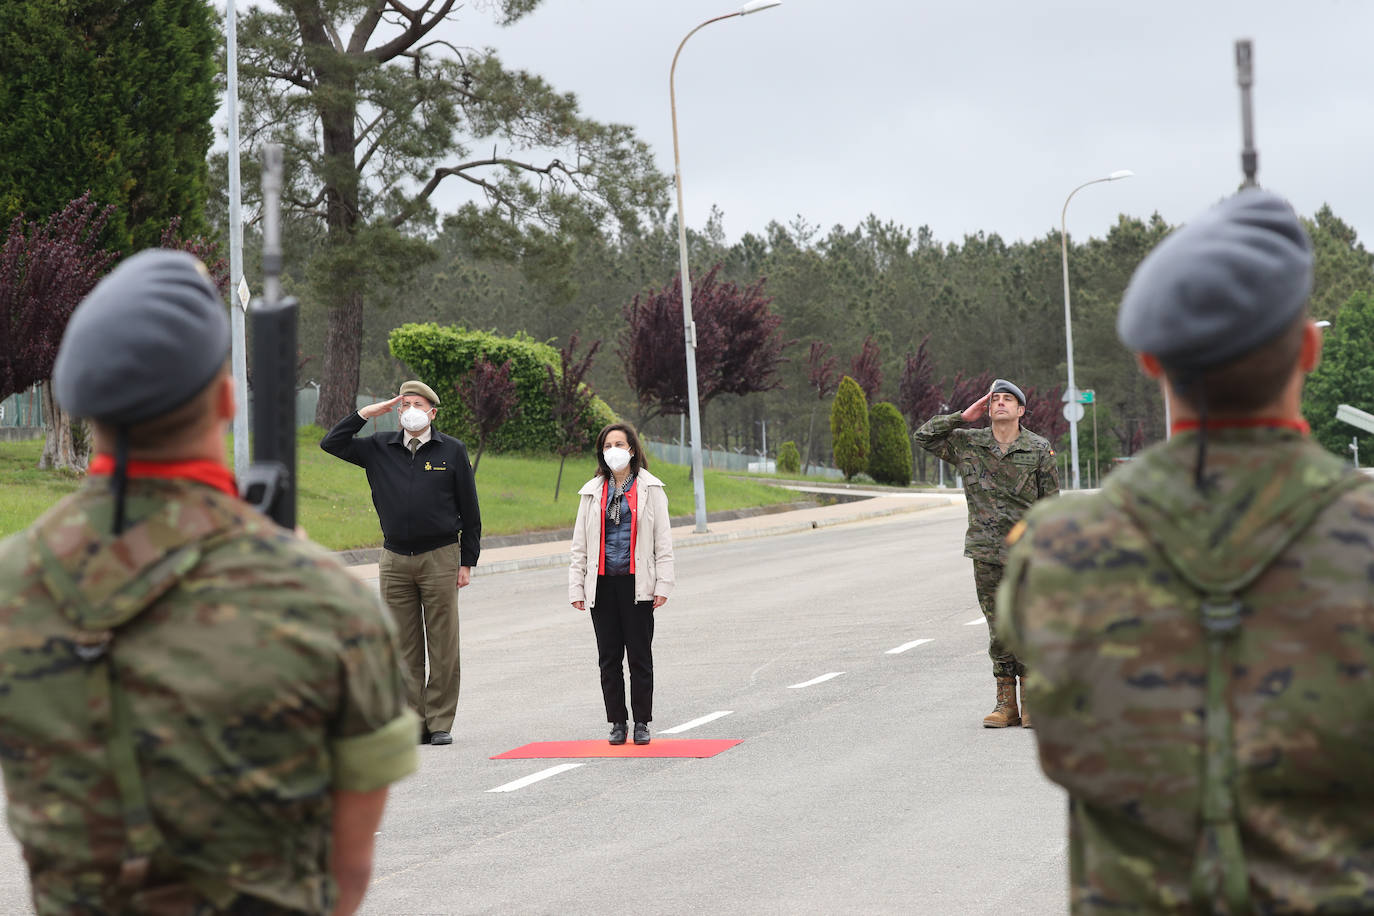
(441, 355)
(789, 459)
(889, 458)
(849, 428)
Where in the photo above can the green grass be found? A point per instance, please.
(335, 505)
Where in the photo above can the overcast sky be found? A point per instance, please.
(967, 116)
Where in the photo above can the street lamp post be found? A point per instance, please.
(238, 357)
(1071, 396)
(688, 327)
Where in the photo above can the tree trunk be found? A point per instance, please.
(559, 483)
(478, 460)
(810, 435)
(66, 444)
(343, 347)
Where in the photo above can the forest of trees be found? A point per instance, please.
(982, 304)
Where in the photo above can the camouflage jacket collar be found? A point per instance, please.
(101, 581)
(1262, 483)
(1022, 443)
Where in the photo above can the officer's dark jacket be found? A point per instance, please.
(423, 502)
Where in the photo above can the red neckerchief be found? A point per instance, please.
(632, 498)
(210, 473)
(1245, 423)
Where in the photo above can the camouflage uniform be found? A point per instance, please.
(177, 705)
(1201, 673)
(1000, 484)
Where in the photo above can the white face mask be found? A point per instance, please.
(414, 419)
(617, 459)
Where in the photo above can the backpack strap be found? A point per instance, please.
(111, 720)
(1219, 869)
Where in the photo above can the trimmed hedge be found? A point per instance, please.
(849, 428)
(789, 458)
(889, 458)
(441, 355)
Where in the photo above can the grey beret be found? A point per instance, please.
(147, 339)
(1003, 385)
(1222, 285)
(423, 390)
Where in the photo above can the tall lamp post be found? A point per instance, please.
(688, 327)
(1071, 395)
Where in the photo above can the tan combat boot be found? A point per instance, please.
(1025, 710)
(1005, 713)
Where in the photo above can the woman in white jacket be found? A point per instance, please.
(622, 570)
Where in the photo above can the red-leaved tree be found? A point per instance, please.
(46, 269)
(1045, 412)
(570, 400)
(489, 396)
(206, 250)
(918, 397)
(822, 374)
(866, 369)
(964, 391)
(739, 344)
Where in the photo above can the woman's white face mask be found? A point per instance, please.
(414, 419)
(617, 458)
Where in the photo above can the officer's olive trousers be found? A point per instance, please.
(986, 577)
(422, 593)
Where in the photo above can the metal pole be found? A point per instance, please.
(1097, 468)
(689, 330)
(239, 358)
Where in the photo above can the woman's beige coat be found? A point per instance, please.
(653, 541)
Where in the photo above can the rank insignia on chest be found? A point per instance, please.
(430, 467)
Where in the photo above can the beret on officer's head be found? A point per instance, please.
(421, 389)
(148, 338)
(1221, 286)
(1003, 385)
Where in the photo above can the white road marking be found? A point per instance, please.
(908, 645)
(815, 680)
(535, 777)
(695, 722)
(974, 623)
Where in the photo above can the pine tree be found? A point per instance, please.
(114, 97)
(849, 428)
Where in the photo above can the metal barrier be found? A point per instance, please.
(24, 409)
(715, 459)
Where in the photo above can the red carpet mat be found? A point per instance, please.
(659, 747)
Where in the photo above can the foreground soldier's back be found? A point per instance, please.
(1199, 634)
(199, 712)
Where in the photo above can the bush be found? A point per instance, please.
(849, 428)
(440, 356)
(789, 458)
(889, 458)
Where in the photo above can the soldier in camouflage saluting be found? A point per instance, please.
(200, 712)
(1200, 634)
(1005, 469)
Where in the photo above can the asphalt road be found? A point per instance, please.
(874, 791)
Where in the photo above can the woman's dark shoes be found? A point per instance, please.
(641, 733)
(618, 733)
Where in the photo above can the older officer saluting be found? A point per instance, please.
(426, 499)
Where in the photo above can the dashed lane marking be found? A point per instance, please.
(815, 680)
(695, 722)
(535, 777)
(908, 645)
(974, 623)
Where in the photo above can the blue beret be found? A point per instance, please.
(1221, 286)
(1003, 385)
(148, 338)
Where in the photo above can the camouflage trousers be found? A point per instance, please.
(986, 576)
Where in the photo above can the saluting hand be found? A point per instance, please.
(976, 409)
(371, 411)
